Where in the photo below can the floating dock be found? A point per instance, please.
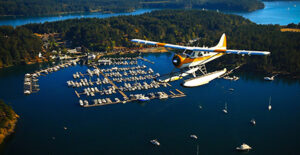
(172, 95)
(144, 59)
(30, 80)
(124, 75)
(112, 83)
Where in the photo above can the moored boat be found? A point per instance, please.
(194, 136)
(243, 147)
(253, 122)
(143, 98)
(155, 142)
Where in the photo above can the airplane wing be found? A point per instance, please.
(221, 47)
(245, 52)
(160, 44)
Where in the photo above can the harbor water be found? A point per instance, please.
(52, 122)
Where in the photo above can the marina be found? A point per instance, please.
(56, 122)
(31, 79)
(170, 120)
(100, 86)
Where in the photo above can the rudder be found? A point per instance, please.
(222, 43)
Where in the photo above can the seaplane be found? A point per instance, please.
(193, 59)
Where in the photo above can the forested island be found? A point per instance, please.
(8, 120)
(177, 27)
(53, 7)
(18, 46)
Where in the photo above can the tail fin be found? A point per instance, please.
(222, 43)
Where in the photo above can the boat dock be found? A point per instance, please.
(30, 84)
(113, 84)
(115, 80)
(158, 95)
(77, 94)
(144, 59)
(31, 79)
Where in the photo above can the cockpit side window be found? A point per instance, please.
(188, 53)
(198, 54)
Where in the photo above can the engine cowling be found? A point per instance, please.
(176, 61)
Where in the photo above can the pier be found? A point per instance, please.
(172, 95)
(131, 78)
(112, 83)
(144, 59)
(31, 79)
(77, 94)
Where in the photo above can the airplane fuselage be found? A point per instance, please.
(196, 58)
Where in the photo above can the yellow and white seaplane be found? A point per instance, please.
(193, 59)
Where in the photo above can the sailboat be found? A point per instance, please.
(200, 106)
(155, 142)
(225, 108)
(270, 107)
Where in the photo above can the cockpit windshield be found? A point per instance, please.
(192, 54)
(188, 53)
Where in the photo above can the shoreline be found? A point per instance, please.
(8, 121)
(73, 12)
(9, 129)
(284, 74)
(129, 10)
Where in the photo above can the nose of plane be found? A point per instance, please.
(176, 60)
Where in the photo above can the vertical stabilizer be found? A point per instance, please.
(222, 43)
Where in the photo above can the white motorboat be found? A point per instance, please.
(269, 107)
(155, 142)
(225, 109)
(194, 136)
(26, 92)
(244, 147)
(200, 106)
(143, 98)
(81, 102)
(269, 78)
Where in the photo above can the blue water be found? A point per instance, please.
(127, 128)
(281, 13)
(17, 21)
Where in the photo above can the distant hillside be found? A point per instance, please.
(50, 7)
(179, 26)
